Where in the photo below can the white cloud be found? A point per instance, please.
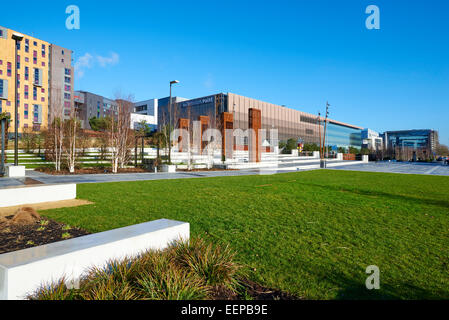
(105, 61)
(83, 62)
(88, 61)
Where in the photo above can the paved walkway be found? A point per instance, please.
(390, 167)
(101, 178)
(436, 169)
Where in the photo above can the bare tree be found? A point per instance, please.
(442, 150)
(56, 128)
(120, 133)
(72, 128)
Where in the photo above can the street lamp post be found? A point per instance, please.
(323, 161)
(17, 37)
(170, 122)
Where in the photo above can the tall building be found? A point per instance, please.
(61, 82)
(39, 80)
(290, 123)
(90, 105)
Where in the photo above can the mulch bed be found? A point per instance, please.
(253, 290)
(18, 237)
(90, 171)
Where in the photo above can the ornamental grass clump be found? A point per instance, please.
(212, 263)
(55, 291)
(184, 271)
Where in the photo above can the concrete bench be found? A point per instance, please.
(24, 271)
(15, 196)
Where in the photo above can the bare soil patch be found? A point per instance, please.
(7, 211)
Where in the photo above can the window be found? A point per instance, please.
(67, 80)
(308, 119)
(67, 96)
(34, 43)
(1, 62)
(3, 33)
(3, 89)
(26, 73)
(67, 88)
(27, 45)
(34, 93)
(26, 92)
(37, 77)
(26, 59)
(43, 63)
(18, 62)
(25, 112)
(37, 114)
(0, 106)
(35, 57)
(43, 90)
(67, 72)
(9, 69)
(43, 50)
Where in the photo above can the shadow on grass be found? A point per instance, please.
(400, 291)
(371, 193)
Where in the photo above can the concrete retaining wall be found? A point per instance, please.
(22, 272)
(17, 196)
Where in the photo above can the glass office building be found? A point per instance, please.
(341, 136)
(413, 139)
(290, 123)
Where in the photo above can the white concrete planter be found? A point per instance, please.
(17, 196)
(22, 272)
(171, 168)
(14, 171)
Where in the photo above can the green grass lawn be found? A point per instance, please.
(310, 233)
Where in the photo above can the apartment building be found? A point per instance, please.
(44, 80)
(89, 105)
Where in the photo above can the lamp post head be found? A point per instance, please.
(17, 36)
(174, 82)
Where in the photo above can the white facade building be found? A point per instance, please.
(145, 111)
(371, 140)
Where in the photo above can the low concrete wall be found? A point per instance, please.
(22, 272)
(14, 171)
(17, 196)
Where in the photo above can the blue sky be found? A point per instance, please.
(294, 53)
